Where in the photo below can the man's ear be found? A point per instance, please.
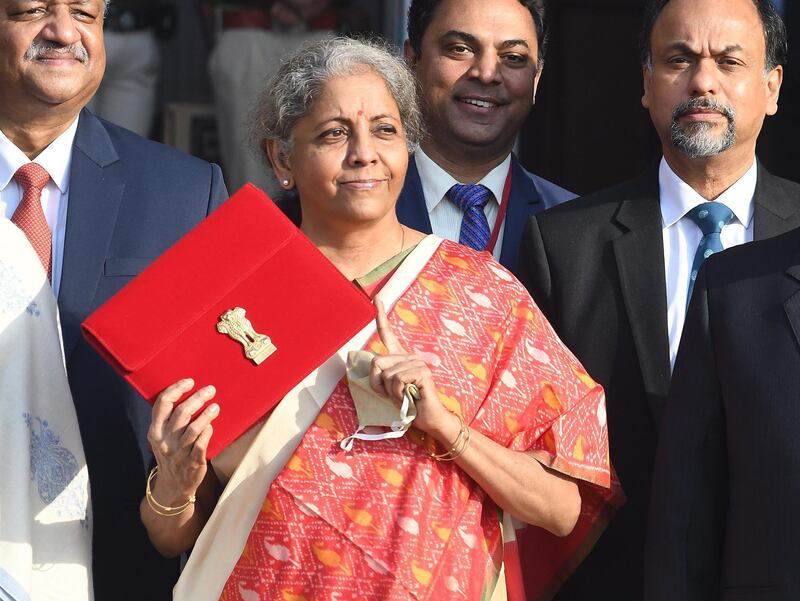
(536, 79)
(774, 81)
(276, 153)
(409, 54)
(647, 78)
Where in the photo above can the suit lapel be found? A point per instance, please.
(523, 195)
(792, 304)
(774, 211)
(411, 208)
(94, 197)
(639, 252)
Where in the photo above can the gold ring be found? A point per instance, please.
(412, 391)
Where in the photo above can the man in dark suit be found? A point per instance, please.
(613, 270)
(107, 203)
(478, 64)
(724, 521)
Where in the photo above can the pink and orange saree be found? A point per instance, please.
(386, 521)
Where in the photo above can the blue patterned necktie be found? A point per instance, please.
(471, 198)
(710, 217)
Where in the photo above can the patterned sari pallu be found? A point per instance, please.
(388, 522)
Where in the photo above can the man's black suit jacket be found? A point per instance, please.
(595, 266)
(129, 200)
(724, 522)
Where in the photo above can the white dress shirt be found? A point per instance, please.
(445, 216)
(682, 236)
(56, 159)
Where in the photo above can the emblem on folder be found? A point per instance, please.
(234, 323)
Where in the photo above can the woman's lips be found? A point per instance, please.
(362, 184)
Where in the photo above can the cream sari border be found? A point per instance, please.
(224, 536)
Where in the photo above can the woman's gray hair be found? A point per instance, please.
(289, 93)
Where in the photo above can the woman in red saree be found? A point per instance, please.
(507, 420)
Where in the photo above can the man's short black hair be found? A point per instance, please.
(774, 31)
(420, 15)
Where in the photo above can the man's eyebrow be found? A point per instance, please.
(732, 48)
(471, 39)
(467, 37)
(513, 43)
(681, 46)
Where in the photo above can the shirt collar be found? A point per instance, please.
(678, 197)
(436, 182)
(56, 158)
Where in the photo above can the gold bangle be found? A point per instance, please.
(157, 507)
(460, 444)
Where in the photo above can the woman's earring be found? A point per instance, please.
(285, 183)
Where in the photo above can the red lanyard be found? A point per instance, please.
(501, 215)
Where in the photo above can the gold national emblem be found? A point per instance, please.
(234, 323)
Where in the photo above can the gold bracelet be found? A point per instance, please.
(460, 444)
(157, 507)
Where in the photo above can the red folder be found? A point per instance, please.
(163, 326)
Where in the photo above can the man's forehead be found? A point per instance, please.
(737, 29)
(682, 18)
(502, 20)
(87, 3)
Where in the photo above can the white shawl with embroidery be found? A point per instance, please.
(45, 533)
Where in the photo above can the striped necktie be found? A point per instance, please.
(471, 199)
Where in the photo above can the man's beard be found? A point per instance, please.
(696, 140)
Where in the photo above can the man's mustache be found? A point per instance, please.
(710, 104)
(44, 49)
